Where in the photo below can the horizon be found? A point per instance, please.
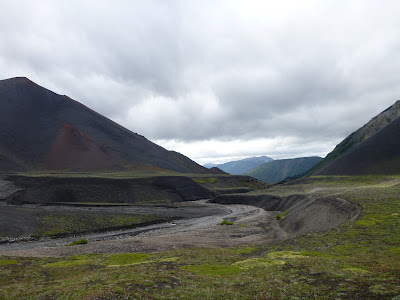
(258, 78)
(239, 159)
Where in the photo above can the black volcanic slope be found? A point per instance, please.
(362, 134)
(40, 129)
(380, 154)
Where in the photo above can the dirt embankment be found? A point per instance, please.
(44, 190)
(227, 182)
(300, 213)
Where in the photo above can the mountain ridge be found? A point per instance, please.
(280, 169)
(377, 155)
(32, 118)
(239, 167)
(360, 135)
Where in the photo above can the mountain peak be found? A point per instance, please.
(17, 80)
(45, 130)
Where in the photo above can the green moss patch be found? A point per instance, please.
(258, 262)
(204, 180)
(394, 250)
(130, 261)
(285, 254)
(68, 263)
(4, 262)
(315, 254)
(79, 242)
(127, 259)
(225, 222)
(280, 216)
(365, 223)
(356, 270)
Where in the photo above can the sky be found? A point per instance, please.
(214, 80)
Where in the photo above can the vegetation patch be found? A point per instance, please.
(84, 256)
(225, 222)
(395, 250)
(349, 250)
(280, 216)
(4, 262)
(164, 260)
(68, 263)
(258, 262)
(365, 223)
(315, 254)
(127, 259)
(79, 242)
(380, 289)
(146, 261)
(356, 270)
(213, 270)
(204, 180)
(285, 254)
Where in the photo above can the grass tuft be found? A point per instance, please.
(225, 222)
(79, 242)
(280, 216)
(4, 262)
(127, 259)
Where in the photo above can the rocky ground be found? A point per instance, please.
(251, 225)
(257, 218)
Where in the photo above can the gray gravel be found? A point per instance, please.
(251, 226)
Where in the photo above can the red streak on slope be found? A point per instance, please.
(73, 149)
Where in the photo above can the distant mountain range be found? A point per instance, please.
(239, 167)
(372, 149)
(41, 130)
(278, 170)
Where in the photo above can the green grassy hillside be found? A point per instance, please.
(278, 170)
(239, 167)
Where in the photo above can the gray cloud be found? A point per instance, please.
(187, 72)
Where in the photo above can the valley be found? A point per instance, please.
(91, 210)
(199, 258)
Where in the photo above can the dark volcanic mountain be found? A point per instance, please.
(41, 130)
(239, 167)
(380, 154)
(376, 124)
(280, 169)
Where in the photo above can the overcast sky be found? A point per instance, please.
(214, 80)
